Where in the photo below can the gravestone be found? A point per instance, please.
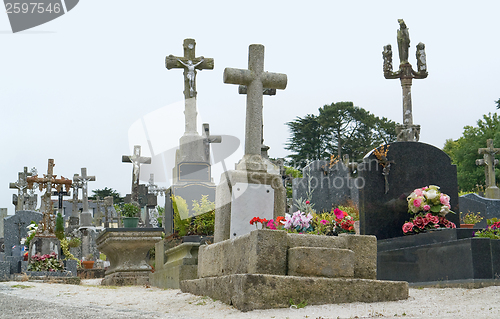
(330, 186)
(249, 189)
(15, 227)
(74, 220)
(489, 153)
(21, 199)
(3, 214)
(192, 177)
(388, 181)
(406, 131)
(147, 201)
(473, 203)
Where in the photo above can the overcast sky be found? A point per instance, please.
(84, 88)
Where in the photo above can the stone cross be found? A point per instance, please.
(489, 152)
(108, 202)
(86, 216)
(190, 63)
(484, 162)
(77, 184)
(49, 180)
(136, 161)
(256, 80)
(407, 131)
(208, 139)
(21, 186)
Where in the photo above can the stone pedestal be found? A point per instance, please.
(126, 249)
(267, 268)
(492, 192)
(252, 181)
(175, 264)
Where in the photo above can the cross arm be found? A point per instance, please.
(126, 159)
(172, 62)
(237, 76)
(274, 80)
(242, 89)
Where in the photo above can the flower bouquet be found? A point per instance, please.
(47, 262)
(492, 232)
(429, 207)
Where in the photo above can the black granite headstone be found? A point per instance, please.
(473, 203)
(413, 165)
(331, 187)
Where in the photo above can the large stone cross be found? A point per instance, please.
(407, 131)
(136, 161)
(256, 80)
(21, 185)
(484, 162)
(49, 180)
(77, 184)
(190, 63)
(86, 215)
(492, 191)
(60, 195)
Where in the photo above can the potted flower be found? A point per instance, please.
(470, 219)
(129, 214)
(88, 263)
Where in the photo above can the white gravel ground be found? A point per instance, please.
(153, 302)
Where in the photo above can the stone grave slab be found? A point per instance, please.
(446, 256)
(489, 208)
(383, 208)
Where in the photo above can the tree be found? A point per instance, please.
(498, 103)
(464, 151)
(102, 193)
(340, 128)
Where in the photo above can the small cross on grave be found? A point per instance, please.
(256, 80)
(407, 132)
(86, 215)
(492, 191)
(60, 194)
(21, 185)
(136, 161)
(48, 181)
(190, 63)
(209, 139)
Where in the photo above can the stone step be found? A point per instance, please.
(320, 262)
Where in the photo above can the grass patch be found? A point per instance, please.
(21, 286)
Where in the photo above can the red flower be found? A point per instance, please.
(419, 222)
(254, 220)
(307, 202)
(407, 227)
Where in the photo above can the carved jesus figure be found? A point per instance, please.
(190, 73)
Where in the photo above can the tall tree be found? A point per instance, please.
(105, 192)
(341, 128)
(498, 103)
(464, 151)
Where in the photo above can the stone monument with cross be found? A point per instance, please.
(45, 240)
(74, 220)
(489, 153)
(192, 171)
(249, 190)
(21, 200)
(406, 132)
(83, 179)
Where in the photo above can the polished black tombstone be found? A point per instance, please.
(412, 165)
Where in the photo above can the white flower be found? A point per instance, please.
(444, 210)
(23, 240)
(431, 193)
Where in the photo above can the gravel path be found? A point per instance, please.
(25, 300)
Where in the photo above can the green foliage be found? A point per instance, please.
(65, 244)
(31, 233)
(203, 206)
(127, 210)
(464, 151)
(59, 231)
(297, 306)
(291, 173)
(470, 218)
(498, 104)
(340, 128)
(74, 242)
(105, 192)
(180, 210)
(203, 224)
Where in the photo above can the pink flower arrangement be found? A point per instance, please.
(429, 207)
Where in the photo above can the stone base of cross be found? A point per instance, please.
(407, 133)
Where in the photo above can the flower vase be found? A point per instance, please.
(88, 264)
(470, 226)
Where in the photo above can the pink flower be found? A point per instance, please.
(418, 192)
(427, 207)
(307, 202)
(419, 222)
(417, 202)
(338, 213)
(407, 227)
(324, 222)
(271, 225)
(445, 199)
